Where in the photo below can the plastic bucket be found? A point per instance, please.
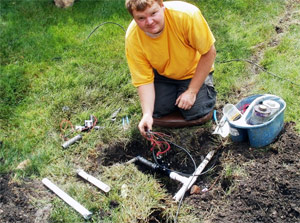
(261, 134)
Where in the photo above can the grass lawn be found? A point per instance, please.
(51, 71)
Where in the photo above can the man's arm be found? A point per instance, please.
(147, 97)
(187, 99)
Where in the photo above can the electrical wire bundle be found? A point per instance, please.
(88, 126)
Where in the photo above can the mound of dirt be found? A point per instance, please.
(16, 201)
(270, 190)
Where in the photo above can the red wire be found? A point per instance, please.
(65, 127)
(94, 124)
(153, 136)
(68, 122)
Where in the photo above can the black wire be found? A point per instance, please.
(165, 168)
(181, 173)
(181, 200)
(188, 153)
(178, 209)
(260, 67)
(104, 24)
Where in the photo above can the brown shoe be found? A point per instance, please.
(176, 120)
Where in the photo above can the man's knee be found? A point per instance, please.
(161, 109)
(165, 98)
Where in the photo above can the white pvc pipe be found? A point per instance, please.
(191, 180)
(71, 141)
(93, 180)
(69, 200)
(178, 177)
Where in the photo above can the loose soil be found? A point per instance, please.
(266, 187)
(19, 201)
(268, 191)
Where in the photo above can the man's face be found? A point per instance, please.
(151, 20)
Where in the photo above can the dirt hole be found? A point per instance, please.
(198, 145)
(157, 217)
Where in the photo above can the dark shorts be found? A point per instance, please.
(168, 90)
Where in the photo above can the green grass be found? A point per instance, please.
(238, 28)
(284, 61)
(47, 64)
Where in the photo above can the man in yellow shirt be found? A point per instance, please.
(170, 53)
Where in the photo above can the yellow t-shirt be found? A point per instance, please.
(176, 52)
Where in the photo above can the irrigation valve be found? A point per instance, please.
(187, 182)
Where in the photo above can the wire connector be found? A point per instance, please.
(88, 125)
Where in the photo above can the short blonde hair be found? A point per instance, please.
(139, 5)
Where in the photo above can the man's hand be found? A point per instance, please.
(145, 124)
(186, 100)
